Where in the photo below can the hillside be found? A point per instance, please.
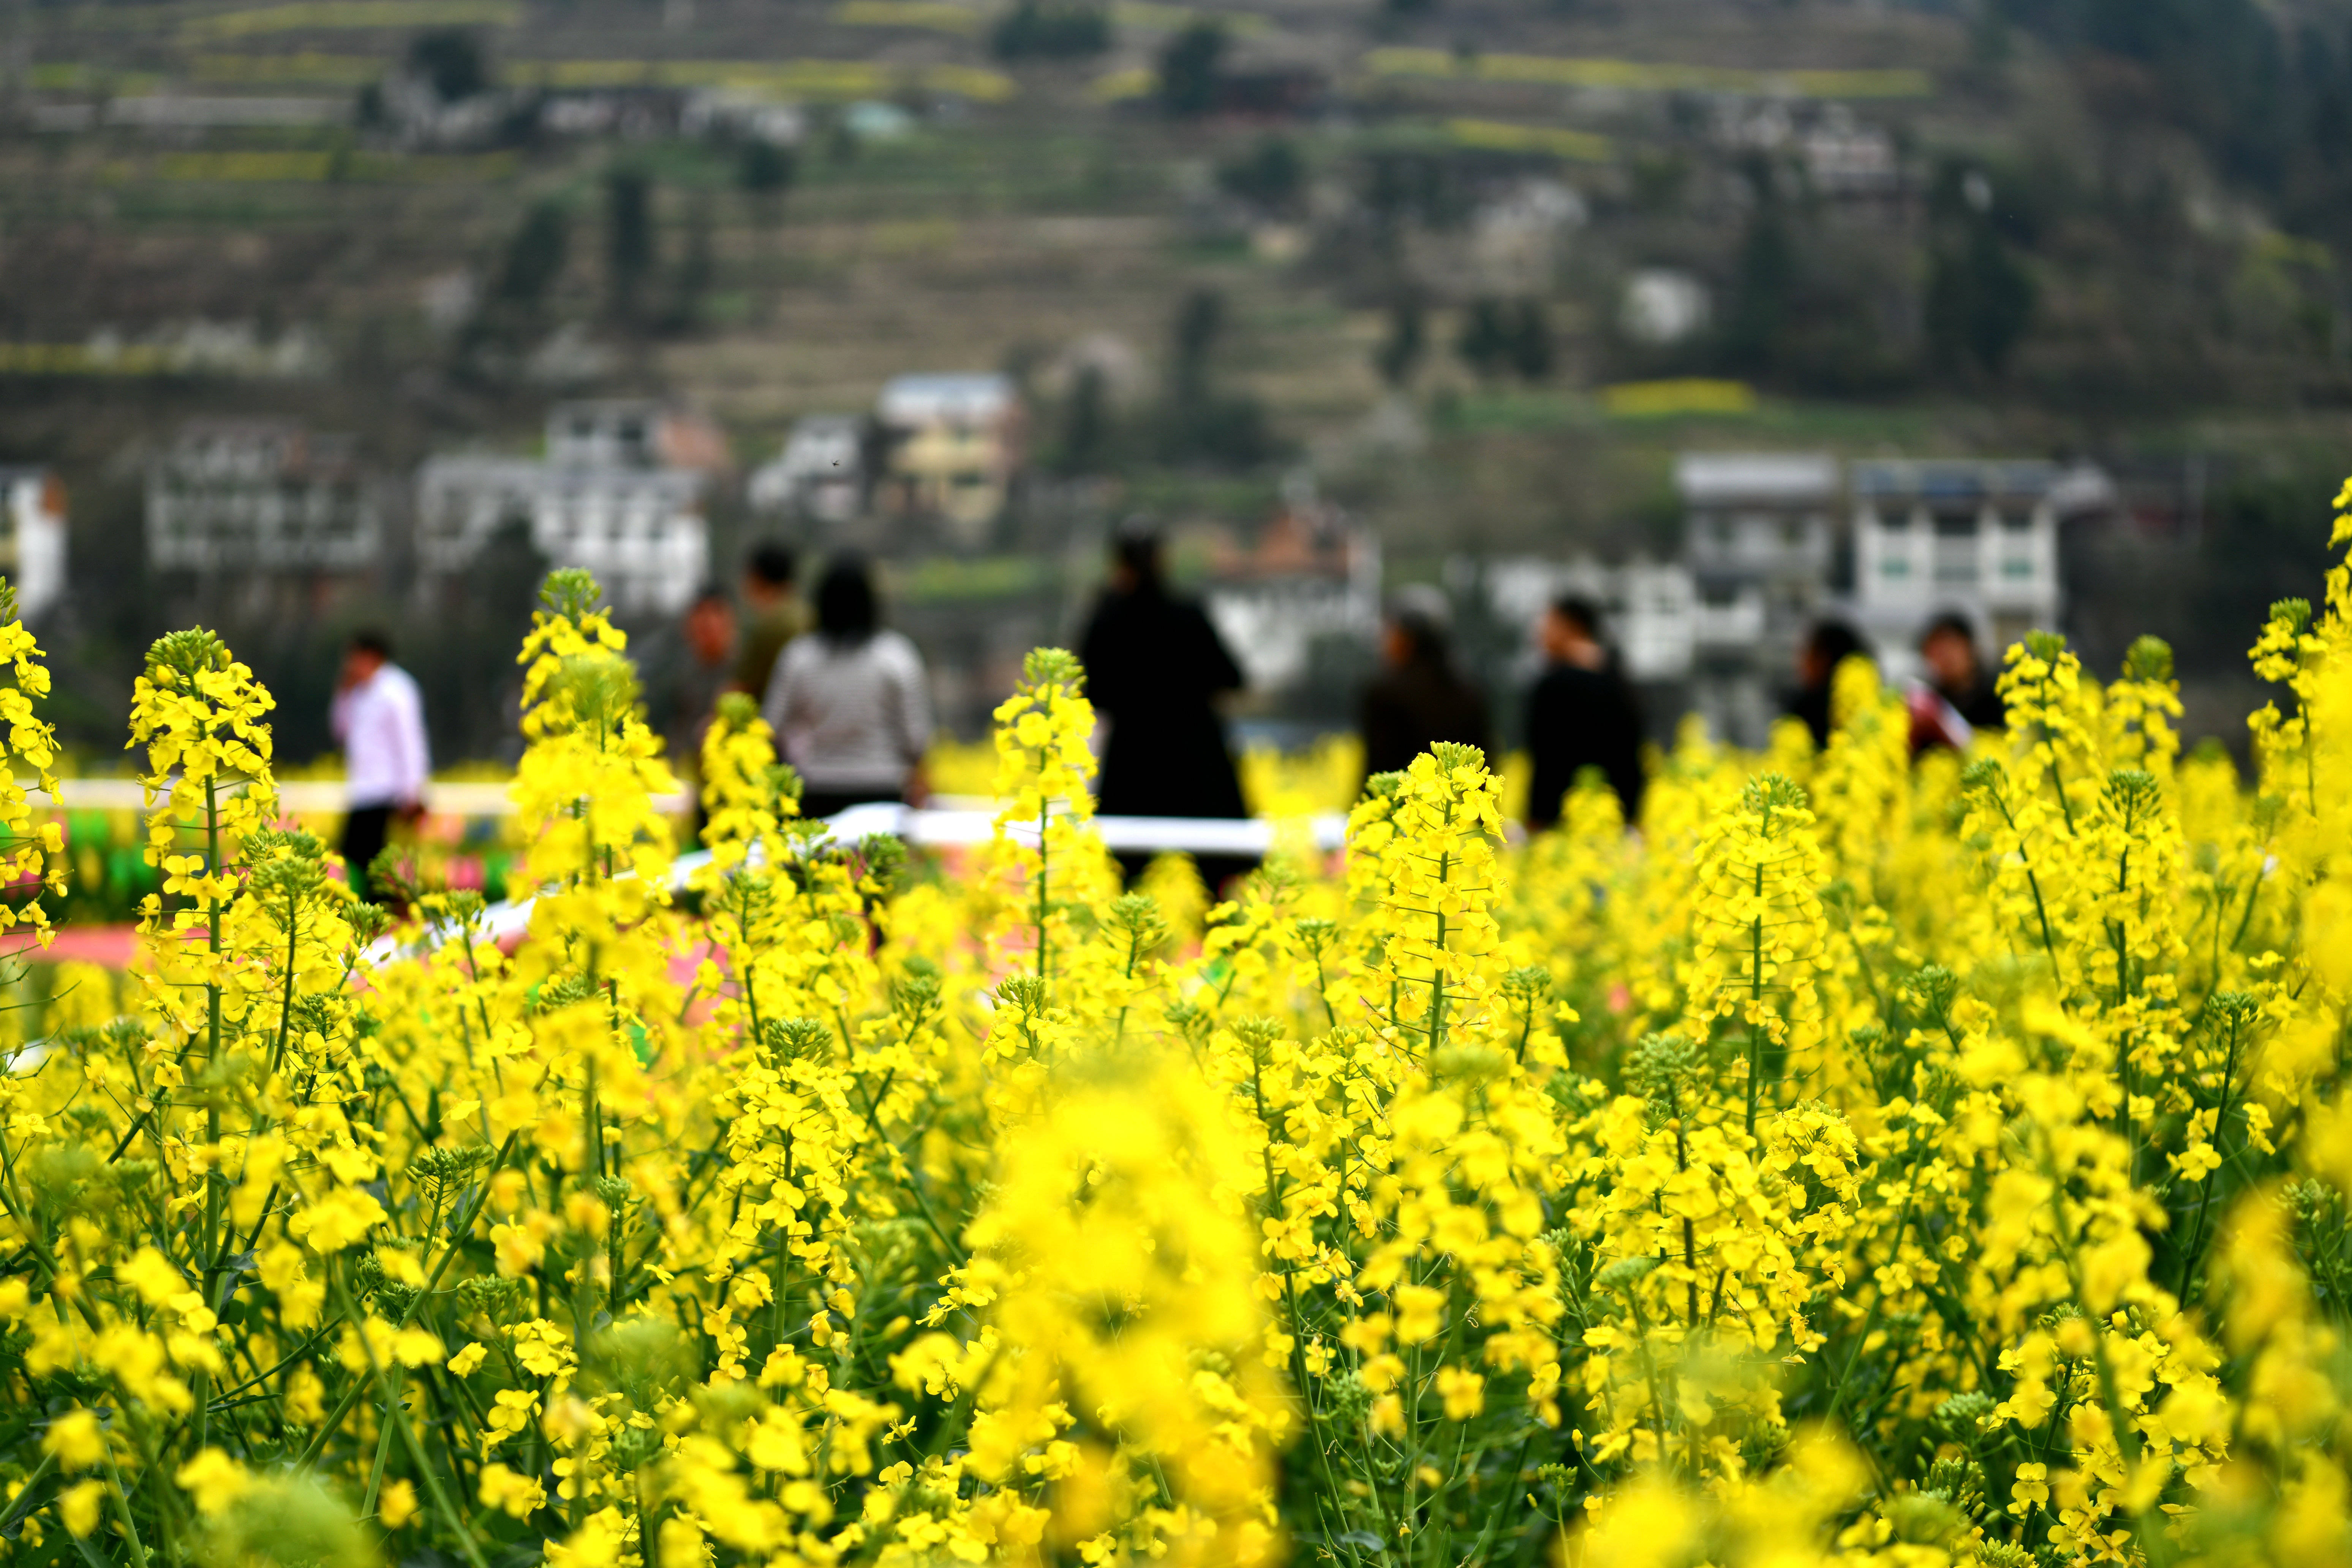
(1433, 231)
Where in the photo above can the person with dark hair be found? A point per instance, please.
(1957, 697)
(379, 716)
(772, 612)
(1829, 645)
(848, 700)
(1155, 668)
(1581, 714)
(1419, 698)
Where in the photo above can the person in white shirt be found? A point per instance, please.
(379, 716)
(849, 701)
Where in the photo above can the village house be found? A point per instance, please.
(952, 446)
(621, 493)
(262, 495)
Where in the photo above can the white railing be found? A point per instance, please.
(951, 820)
(470, 798)
(964, 825)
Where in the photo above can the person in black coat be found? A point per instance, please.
(1419, 698)
(1581, 714)
(1829, 645)
(1155, 666)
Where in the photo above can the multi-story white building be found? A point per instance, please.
(1761, 543)
(820, 474)
(1314, 575)
(33, 537)
(1981, 538)
(249, 494)
(1775, 541)
(1928, 531)
(620, 494)
(1759, 517)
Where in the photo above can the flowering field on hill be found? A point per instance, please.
(1868, 1163)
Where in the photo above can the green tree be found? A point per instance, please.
(451, 59)
(1197, 422)
(1979, 301)
(1271, 175)
(1189, 65)
(1053, 32)
(696, 269)
(764, 169)
(1086, 423)
(1528, 340)
(1400, 354)
(1484, 343)
(630, 242)
(1199, 320)
(535, 256)
(1755, 330)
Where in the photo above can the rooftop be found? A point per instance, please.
(1785, 478)
(1946, 479)
(969, 395)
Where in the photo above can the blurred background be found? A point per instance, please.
(336, 314)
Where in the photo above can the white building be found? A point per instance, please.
(1977, 537)
(820, 474)
(1761, 543)
(1775, 542)
(261, 495)
(1761, 518)
(1312, 576)
(1844, 157)
(1652, 608)
(633, 433)
(33, 537)
(724, 111)
(620, 494)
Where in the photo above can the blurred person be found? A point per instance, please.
(848, 700)
(773, 614)
(688, 667)
(379, 717)
(695, 673)
(1829, 645)
(1419, 698)
(1581, 714)
(1957, 699)
(1155, 668)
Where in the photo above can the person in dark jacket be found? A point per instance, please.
(1419, 698)
(1829, 645)
(1581, 714)
(1155, 666)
